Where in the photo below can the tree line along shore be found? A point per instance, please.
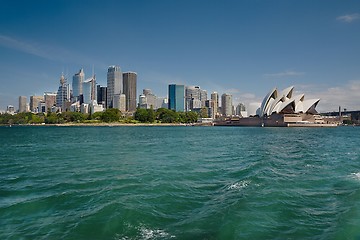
(111, 116)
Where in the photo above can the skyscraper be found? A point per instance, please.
(214, 104)
(101, 95)
(114, 84)
(177, 97)
(34, 103)
(63, 94)
(226, 104)
(129, 83)
(22, 104)
(89, 90)
(50, 100)
(77, 85)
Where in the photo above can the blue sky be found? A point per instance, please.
(245, 48)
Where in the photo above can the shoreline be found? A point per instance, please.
(107, 125)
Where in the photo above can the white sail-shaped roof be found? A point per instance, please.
(277, 102)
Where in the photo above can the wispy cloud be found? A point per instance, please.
(287, 73)
(23, 47)
(349, 17)
(346, 96)
(46, 51)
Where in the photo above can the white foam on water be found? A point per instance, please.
(356, 175)
(239, 185)
(154, 233)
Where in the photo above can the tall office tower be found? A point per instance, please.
(129, 83)
(77, 85)
(177, 97)
(22, 104)
(226, 104)
(114, 84)
(34, 103)
(150, 99)
(101, 95)
(50, 100)
(214, 103)
(203, 97)
(63, 94)
(192, 97)
(89, 90)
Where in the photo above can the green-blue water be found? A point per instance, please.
(179, 183)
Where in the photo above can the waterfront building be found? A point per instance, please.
(34, 103)
(282, 109)
(284, 102)
(42, 107)
(22, 104)
(114, 84)
(10, 109)
(226, 104)
(77, 84)
(214, 104)
(101, 95)
(75, 107)
(50, 100)
(129, 84)
(119, 102)
(63, 94)
(95, 107)
(84, 108)
(177, 97)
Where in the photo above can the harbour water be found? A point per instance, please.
(179, 183)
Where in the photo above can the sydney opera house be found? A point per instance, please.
(282, 109)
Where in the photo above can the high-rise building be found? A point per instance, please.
(34, 103)
(226, 104)
(177, 97)
(89, 90)
(192, 97)
(151, 99)
(77, 85)
(129, 84)
(22, 104)
(50, 100)
(114, 84)
(63, 94)
(143, 101)
(119, 102)
(241, 110)
(101, 95)
(203, 97)
(214, 104)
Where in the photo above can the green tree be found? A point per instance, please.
(151, 115)
(96, 116)
(141, 115)
(111, 115)
(51, 118)
(77, 117)
(167, 116)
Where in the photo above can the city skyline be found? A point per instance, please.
(243, 48)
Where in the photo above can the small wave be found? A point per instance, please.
(154, 234)
(239, 185)
(356, 175)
